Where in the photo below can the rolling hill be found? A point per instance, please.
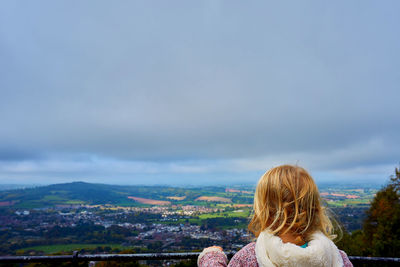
(98, 194)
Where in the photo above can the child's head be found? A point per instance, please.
(287, 201)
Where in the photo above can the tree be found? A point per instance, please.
(396, 179)
(382, 225)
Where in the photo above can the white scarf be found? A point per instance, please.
(321, 251)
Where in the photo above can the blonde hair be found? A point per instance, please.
(287, 200)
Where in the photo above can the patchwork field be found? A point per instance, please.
(6, 203)
(214, 199)
(326, 194)
(231, 190)
(242, 205)
(177, 198)
(150, 201)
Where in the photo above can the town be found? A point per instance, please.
(53, 219)
(146, 229)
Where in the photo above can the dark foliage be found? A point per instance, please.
(380, 235)
(382, 226)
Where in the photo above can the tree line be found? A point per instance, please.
(380, 234)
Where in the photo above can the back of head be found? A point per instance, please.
(287, 200)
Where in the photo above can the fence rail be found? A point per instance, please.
(76, 257)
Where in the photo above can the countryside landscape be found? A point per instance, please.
(138, 129)
(100, 218)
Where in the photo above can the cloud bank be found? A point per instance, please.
(156, 92)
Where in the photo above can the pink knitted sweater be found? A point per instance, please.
(246, 257)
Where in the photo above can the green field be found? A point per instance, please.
(349, 202)
(49, 249)
(225, 214)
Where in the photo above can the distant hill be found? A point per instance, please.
(69, 193)
(93, 194)
(4, 187)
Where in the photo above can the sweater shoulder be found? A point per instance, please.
(245, 257)
(345, 258)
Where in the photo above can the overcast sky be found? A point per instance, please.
(198, 92)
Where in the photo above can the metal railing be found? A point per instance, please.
(76, 257)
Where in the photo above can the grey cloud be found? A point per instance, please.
(199, 81)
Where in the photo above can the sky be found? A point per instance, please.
(198, 92)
